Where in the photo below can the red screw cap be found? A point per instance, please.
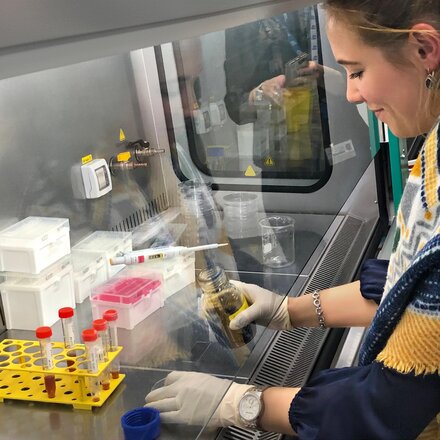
(43, 332)
(110, 315)
(100, 324)
(89, 335)
(65, 312)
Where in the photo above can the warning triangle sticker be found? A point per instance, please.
(269, 162)
(249, 172)
(121, 135)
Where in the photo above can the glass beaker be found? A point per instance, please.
(278, 241)
(240, 218)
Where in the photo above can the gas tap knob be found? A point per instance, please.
(123, 162)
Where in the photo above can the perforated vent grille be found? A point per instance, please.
(138, 217)
(290, 358)
(341, 258)
(243, 434)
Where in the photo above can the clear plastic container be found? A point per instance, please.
(89, 270)
(133, 297)
(31, 300)
(199, 212)
(108, 244)
(33, 244)
(125, 290)
(176, 273)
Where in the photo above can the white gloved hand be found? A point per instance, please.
(265, 308)
(192, 398)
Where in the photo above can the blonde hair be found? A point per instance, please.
(386, 24)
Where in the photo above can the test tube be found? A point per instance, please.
(44, 336)
(66, 316)
(111, 316)
(90, 338)
(101, 327)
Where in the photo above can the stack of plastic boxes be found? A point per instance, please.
(107, 244)
(89, 270)
(91, 259)
(38, 273)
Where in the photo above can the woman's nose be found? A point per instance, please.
(353, 94)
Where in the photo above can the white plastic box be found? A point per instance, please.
(33, 244)
(134, 297)
(89, 271)
(31, 301)
(177, 272)
(108, 244)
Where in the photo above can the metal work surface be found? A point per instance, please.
(175, 337)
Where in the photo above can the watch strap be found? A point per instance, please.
(254, 424)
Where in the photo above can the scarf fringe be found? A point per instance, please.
(398, 365)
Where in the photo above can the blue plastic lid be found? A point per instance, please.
(141, 424)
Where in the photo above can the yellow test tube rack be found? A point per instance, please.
(22, 374)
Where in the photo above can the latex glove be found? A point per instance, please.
(271, 89)
(192, 398)
(265, 308)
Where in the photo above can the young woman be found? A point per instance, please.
(391, 53)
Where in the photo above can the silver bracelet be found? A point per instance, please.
(317, 304)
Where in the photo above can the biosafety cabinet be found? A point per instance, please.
(156, 124)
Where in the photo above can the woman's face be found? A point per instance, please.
(390, 91)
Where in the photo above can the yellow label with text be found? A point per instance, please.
(155, 256)
(86, 159)
(244, 306)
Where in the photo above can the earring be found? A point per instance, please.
(430, 81)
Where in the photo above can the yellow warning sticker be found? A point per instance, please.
(249, 172)
(269, 162)
(121, 135)
(86, 159)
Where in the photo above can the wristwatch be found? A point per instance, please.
(250, 406)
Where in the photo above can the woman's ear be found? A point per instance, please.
(427, 43)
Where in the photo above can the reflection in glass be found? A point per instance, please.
(247, 112)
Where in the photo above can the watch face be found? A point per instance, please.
(249, 407)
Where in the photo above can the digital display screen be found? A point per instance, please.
(102, 177)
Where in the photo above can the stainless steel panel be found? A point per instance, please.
(50, 120)
(48, 33)
(24, 22)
